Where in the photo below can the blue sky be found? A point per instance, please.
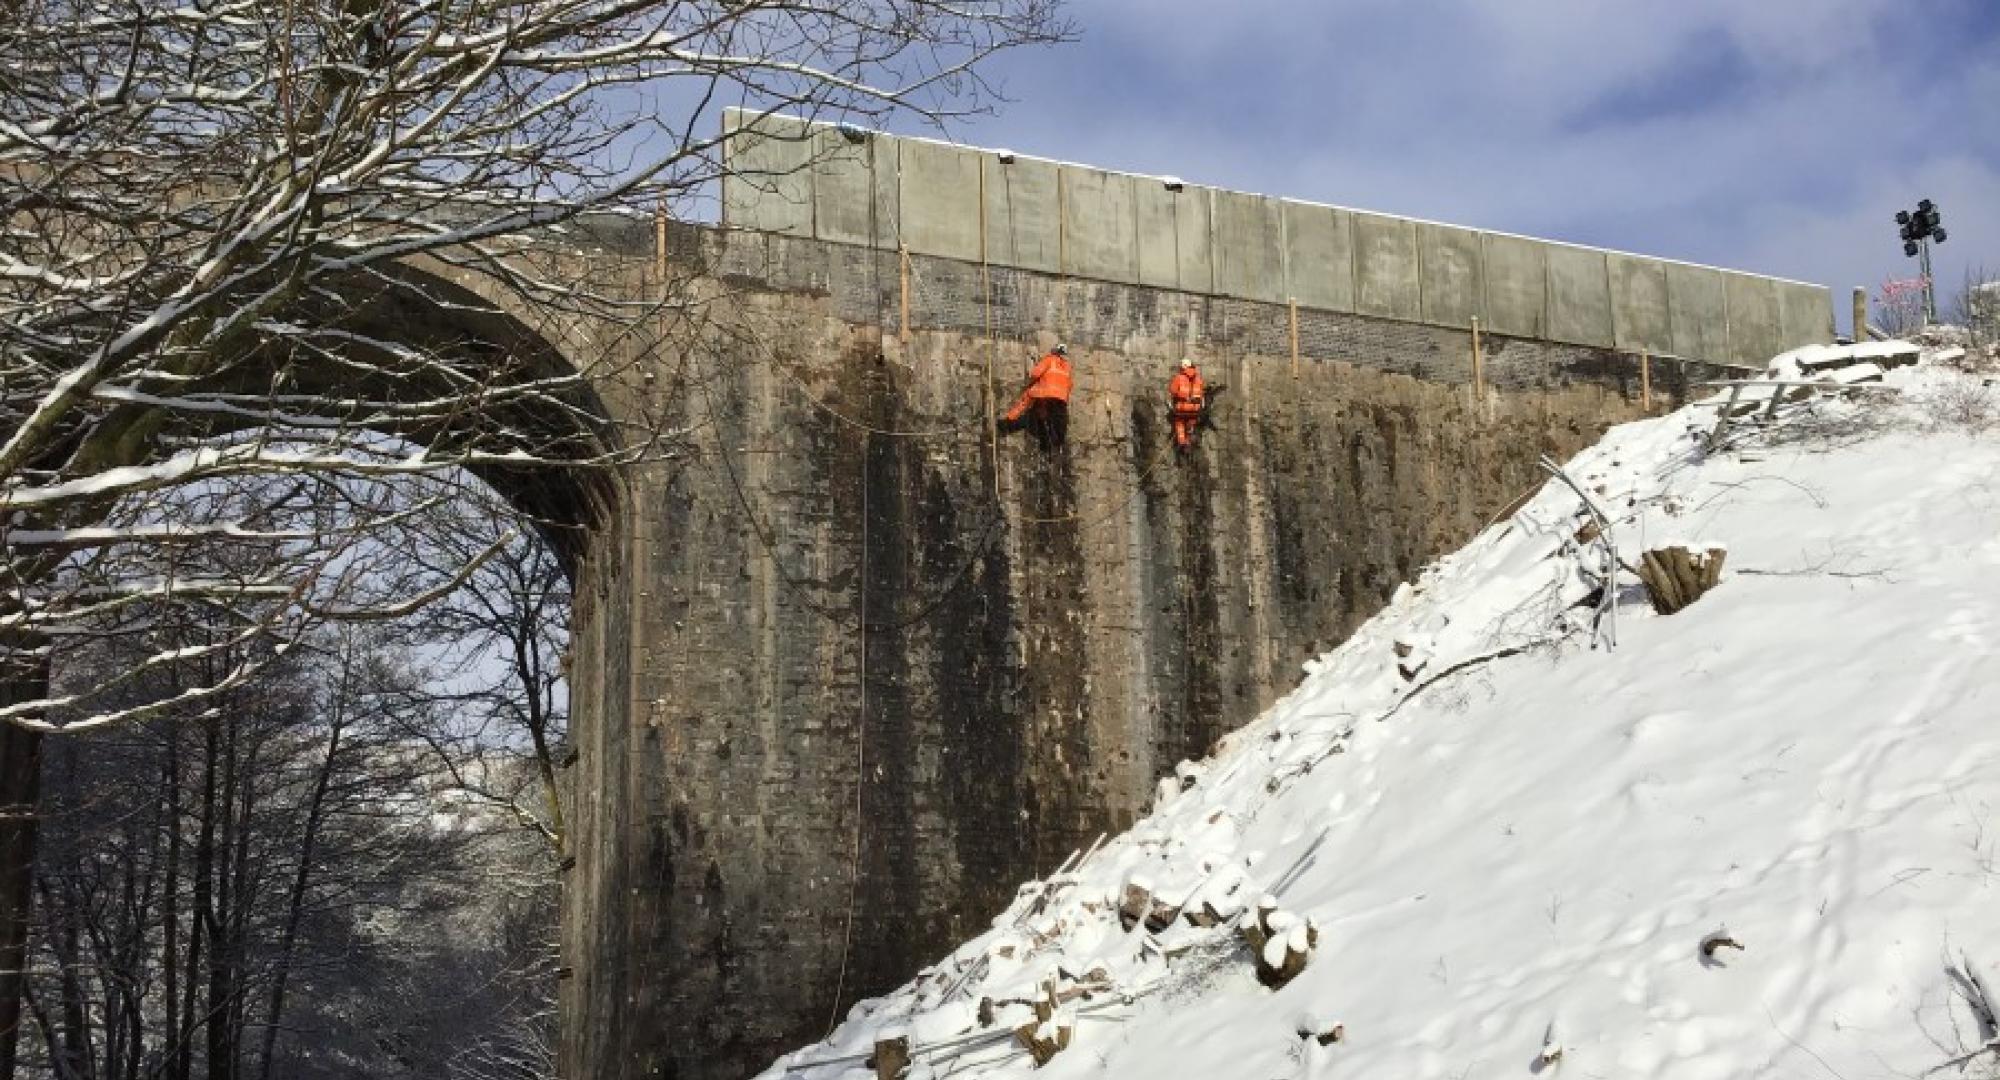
(1771, 135)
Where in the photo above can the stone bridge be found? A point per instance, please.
(853, 664)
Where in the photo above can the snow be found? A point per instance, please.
(1527, 864)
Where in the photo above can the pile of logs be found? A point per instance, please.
(1282, 943)
(1049, 1035)
(1676, 577)
(1139, 904)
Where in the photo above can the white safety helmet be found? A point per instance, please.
(1186, 363)
(1060, 349)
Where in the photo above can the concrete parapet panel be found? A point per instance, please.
(1195, 253)
(1385, 267)
(1805, 315)
(1249, 247)
(1697, 313)
(1319, 255)
(1753, 318)
(1579, 296)
(1449, 258)
(854, 189)
(939, 196)
(1156, 210)
(1639, 312)
(1517, 285)
(768, 185)
(1099, 225)
(1023, 218)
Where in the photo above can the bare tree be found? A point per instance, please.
(211, 214)
(499, 644)
(1976, 306)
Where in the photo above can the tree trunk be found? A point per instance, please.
(20, 797)
(170, 931)
(296, 901)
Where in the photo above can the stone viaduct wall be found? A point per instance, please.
(854, 665)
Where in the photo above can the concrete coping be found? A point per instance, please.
(1179, 185)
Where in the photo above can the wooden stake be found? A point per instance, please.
(903, 263)
(1646, 381)
(660, 241)
(1293, 303)
(1478, 364)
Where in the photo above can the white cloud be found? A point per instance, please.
(1778, 135)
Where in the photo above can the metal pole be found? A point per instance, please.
(1930, 296)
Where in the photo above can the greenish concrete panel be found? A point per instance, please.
(768, 182)
(1319, 255)
(1639, 312)
(1805, 315)
(1517, 285)
(1023, 213)
(1195, 252)
(1579, 296)
(1156, 210)
(1386, 280)
(1100, 238)
(1697, 313)
(852, 203)
(1753, 318)
(939, 197)
(1249, 247)
(1448, 258)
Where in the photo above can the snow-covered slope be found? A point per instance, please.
(1514, 839)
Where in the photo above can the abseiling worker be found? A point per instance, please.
(1045, 402)
(1187, 397)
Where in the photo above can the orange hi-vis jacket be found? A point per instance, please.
(1050, 379)
(1187, 390)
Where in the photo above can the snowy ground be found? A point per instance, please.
(1530, 852)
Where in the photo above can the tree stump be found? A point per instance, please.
(1676, 577)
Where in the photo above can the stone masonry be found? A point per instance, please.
(852, 668)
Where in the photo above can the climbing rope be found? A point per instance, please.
(860, 750)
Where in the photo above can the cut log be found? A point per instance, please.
(892, 1056)
(1281, 942)
(1711, 568)
(1137, 903)
(1044, 1040)
(1675, 577)
(1686, 576)
(1660, 586)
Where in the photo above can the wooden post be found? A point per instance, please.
(903, 265)
(1646, 381)
(660, 241)
(1478, 365)
(1722, 422)
(1860, 314)
(1292, 302)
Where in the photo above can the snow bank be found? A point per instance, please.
(1748, 841)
